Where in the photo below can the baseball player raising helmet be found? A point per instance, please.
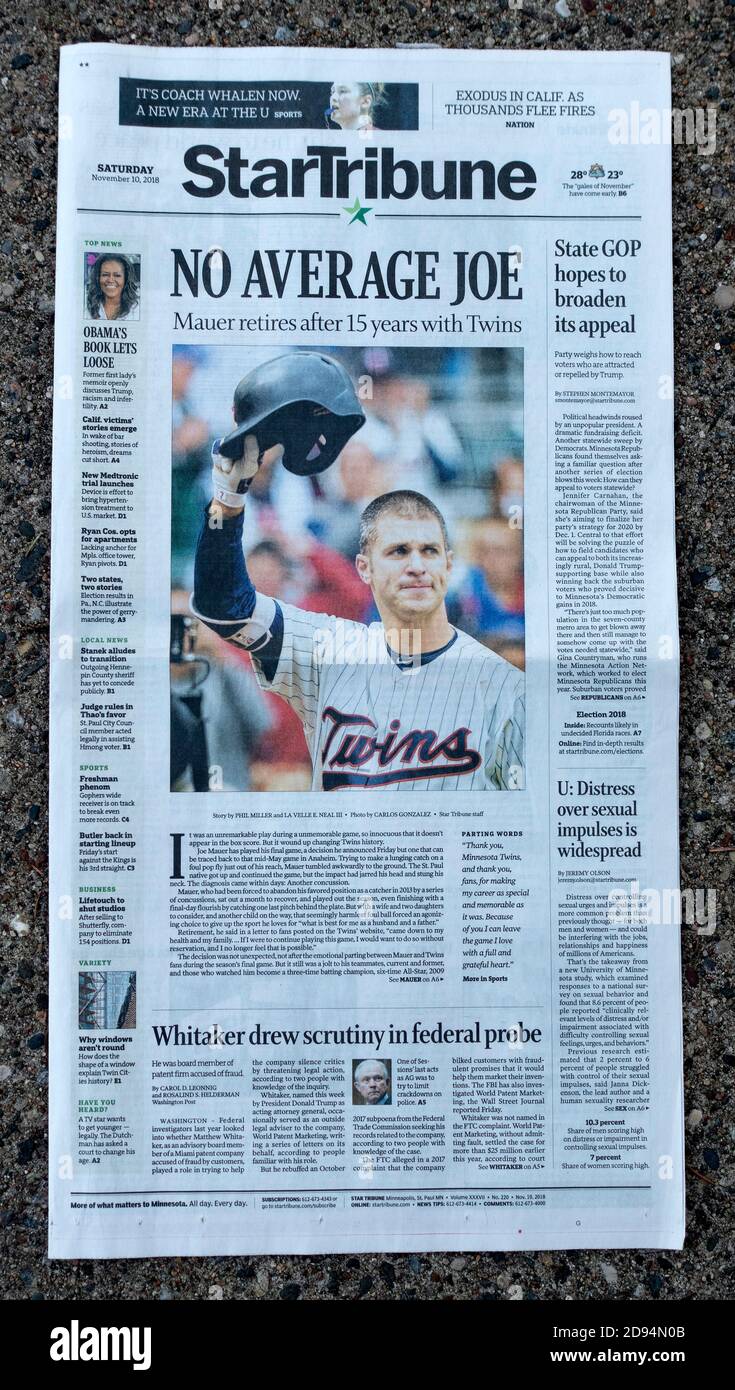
(408, 703)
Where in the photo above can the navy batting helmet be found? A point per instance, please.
(302, 400)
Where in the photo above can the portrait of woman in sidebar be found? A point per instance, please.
(112, 286)
(356, 105)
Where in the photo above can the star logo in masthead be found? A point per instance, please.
(358, 212)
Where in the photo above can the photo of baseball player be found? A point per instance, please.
(391, 693)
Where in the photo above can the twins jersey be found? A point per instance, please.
(453, 722)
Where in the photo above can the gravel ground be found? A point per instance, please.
(698, 33)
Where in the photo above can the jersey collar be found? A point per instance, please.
(408, 663)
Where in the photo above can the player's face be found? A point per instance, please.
(407, 567)
(347, 104)
(372, 1085)
(112, 279)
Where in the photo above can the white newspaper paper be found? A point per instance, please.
(364, 687)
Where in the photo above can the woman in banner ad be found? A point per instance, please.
(352, 105)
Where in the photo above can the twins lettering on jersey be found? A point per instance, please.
(414, 755)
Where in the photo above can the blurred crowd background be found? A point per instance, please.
(447, 422)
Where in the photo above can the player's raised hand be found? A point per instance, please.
(231, 477)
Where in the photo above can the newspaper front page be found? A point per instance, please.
(364, 685)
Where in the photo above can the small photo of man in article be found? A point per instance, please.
(371, 1081)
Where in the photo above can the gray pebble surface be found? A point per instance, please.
(699, 34)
